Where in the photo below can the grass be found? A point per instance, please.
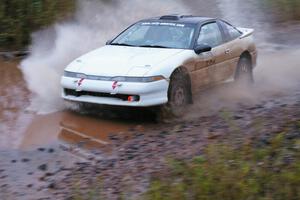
(248, 172)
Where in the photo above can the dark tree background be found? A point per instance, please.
(19, 18)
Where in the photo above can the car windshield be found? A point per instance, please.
(157, 35)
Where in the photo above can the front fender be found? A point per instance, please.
(167, 67)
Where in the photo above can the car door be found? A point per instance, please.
(199, 70)
(200, 66)
(232, 49)
(211, 35)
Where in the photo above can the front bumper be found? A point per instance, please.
(150, 94)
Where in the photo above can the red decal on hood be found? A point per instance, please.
(114, 85)
(80, 82)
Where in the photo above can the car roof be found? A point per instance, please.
(180, 18)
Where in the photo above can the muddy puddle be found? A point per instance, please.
(80, 130)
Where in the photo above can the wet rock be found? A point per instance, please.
(212, 136)
(113, 137)
(82, 163)
(30, 185)
(51, 150)
(52, 186)
(138, 135)
(25, 160)
(3, 177)
(91, 158)
(255, 107)
(292, 135)
(288, 159)
(49, 174)
(265, 140)
(130, 157)
(41, 149)
(133, 148)
(237, 117)
(43, 167)
(63, 168)
(163, 133)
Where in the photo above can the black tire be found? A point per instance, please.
(178, 94)
(244, 73)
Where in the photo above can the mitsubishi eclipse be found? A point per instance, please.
(163, 62)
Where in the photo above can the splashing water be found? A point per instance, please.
(94, 23)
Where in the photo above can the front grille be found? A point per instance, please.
(124, 97)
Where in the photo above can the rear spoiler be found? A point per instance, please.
(246, 32)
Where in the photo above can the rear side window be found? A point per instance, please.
(232, 32)
(210, 34)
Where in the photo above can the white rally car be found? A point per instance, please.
(161, 61)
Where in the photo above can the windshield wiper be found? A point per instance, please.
(153, 46)
(123, 44)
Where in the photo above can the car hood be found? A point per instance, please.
(121, 61)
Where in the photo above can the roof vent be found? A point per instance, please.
(170, 17)
(186, 16)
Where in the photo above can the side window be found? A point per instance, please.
(210, 34)
(233, 33)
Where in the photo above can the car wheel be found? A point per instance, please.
(244, 73)
(178, 94)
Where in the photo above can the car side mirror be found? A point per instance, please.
(108, 42)
(201, 48)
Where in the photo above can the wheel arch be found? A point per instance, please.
(183, 70)
(247, 54)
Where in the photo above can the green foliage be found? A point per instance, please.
(226, 172)
(19, 18)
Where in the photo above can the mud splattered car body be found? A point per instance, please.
(161, 61)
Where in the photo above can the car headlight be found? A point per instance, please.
(116, 78)
(70, 74)
(138, 79)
